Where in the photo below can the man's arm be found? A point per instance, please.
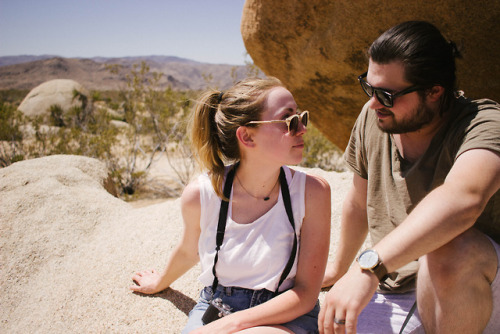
(442, 215)
(353, 231)
(446, 212)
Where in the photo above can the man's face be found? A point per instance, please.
(409, 112)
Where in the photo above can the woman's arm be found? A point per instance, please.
(313, 254)
(184, 256)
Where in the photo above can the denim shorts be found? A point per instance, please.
(242, 299)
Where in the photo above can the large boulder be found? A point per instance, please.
(54, 92)
(317, 48)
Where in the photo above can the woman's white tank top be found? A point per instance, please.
(252, 255)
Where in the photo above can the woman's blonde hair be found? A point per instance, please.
(216, 118)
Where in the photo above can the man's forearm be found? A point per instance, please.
(438, 219)
(353, 232)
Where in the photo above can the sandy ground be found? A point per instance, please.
(68, 250)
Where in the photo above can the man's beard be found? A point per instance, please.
(421, 116)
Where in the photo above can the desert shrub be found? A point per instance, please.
(10, 121)
(11, 136)
(156, 122)
(56, 115)
(319, 152)
(13, 96)
(69, 133)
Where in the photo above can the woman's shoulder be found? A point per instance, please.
(191, 194)
(314, 183)
(317, 184)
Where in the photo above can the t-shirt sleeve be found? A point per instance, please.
(355, 152)
(481, 131)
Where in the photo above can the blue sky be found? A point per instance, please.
(201, 30)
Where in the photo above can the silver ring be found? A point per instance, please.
(339, 321)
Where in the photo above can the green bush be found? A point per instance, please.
(11, 136)
(319, 152)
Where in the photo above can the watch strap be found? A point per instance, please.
(380, 271)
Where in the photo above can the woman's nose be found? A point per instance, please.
(301, 130)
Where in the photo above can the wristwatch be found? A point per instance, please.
(369, 260)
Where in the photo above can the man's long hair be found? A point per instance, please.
(428, 58)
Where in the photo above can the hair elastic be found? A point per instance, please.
(455, 50)
(219, 98)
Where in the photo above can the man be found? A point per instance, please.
(426, 163)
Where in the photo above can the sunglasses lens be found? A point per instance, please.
(384, 98)
(294, 122)
(366, 88)
(294, 125)
(305, 118)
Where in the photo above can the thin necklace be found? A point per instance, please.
(265, 198)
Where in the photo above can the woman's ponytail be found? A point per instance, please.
(205, 139)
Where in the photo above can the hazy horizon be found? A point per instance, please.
(48, 56)
(202, 31)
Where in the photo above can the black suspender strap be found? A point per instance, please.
(288, 207)
(221, 226)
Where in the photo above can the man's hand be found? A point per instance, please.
(345, 301)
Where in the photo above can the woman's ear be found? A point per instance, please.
(244, 135)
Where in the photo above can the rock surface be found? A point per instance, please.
(317, 48)
(52, 92)
(68, 250)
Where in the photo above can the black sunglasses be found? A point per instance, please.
(383, 96)
(292, 122)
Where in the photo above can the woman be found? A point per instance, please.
(256, 126)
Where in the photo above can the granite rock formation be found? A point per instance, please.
(317, 48)
(53, 92)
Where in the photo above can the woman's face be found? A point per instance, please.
(273, 139)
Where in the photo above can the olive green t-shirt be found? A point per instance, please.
(396, 186)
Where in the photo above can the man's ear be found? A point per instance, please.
(435, 93)
(244, 135)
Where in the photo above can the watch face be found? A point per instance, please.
(368, 259)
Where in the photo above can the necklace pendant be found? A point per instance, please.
(267, 198)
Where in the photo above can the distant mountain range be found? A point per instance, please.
(27, 72)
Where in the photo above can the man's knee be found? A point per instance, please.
(469, 254)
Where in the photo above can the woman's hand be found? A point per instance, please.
(147, 282)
